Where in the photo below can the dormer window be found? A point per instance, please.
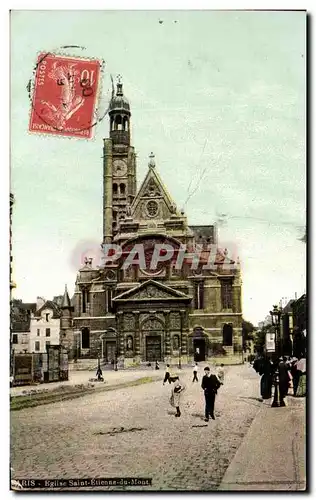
(47, 317)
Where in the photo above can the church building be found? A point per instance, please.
(129, 316)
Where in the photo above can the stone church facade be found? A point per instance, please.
(138, 314)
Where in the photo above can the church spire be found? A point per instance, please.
(66, 304)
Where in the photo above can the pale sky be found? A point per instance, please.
(216, 92)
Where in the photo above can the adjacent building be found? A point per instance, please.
(138, 314)
(35, 325)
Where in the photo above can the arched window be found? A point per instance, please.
(176, 342)
(125, 123)
(227, 335)
(85, 338)
(118, 123)
(122, 189)
(115, 189)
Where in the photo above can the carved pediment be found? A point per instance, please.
(152, 290)
(153, 200)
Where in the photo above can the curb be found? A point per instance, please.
(28, 401)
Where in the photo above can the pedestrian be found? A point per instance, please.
(195, 372)
(99, 374)
(176, 394)
(157, 366)
(167, 375)
(301, 370)
(210, 384)
(295, 374)
(266, 371)
(284, 381)
(221, 374)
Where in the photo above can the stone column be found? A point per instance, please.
(120, 334)
(167, 334)
(184, 335)
(137, 335)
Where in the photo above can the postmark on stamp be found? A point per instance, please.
(65, 95)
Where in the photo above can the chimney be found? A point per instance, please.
(40, 301)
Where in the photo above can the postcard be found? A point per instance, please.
(158, 305)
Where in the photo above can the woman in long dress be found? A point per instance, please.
(266, 372)
(301, 370)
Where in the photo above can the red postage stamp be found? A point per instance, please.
(65, 96)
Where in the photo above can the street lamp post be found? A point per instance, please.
(275, 316)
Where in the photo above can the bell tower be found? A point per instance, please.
(119, 165)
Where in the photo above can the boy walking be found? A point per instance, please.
(210, 384)
(195, 371)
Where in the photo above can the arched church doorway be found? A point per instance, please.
(152, 333)
(199, 344)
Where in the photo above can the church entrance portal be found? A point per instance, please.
(153, 348)
(110, 351)
(199, 349)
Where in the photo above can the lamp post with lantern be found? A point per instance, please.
(276, 317)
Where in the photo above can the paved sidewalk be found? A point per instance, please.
(272, 454)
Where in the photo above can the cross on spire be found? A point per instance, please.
(119, 85)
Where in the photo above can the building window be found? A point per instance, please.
(47, 343)
(37, 345)
(25, 339)
(15, 338)
(85, 338)
(115, 189)
(227, 294)
(47, 332)
(199, 295)
(227, 335)
(47, 316)
(38, 332)
(176, 342)
(122, 189)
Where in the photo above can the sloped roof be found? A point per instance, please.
(66, 300)
(49, 304)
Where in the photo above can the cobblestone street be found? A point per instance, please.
(132, 432)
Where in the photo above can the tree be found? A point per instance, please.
(247, 333)
(260, 338)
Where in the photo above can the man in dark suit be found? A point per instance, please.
(210, 384)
